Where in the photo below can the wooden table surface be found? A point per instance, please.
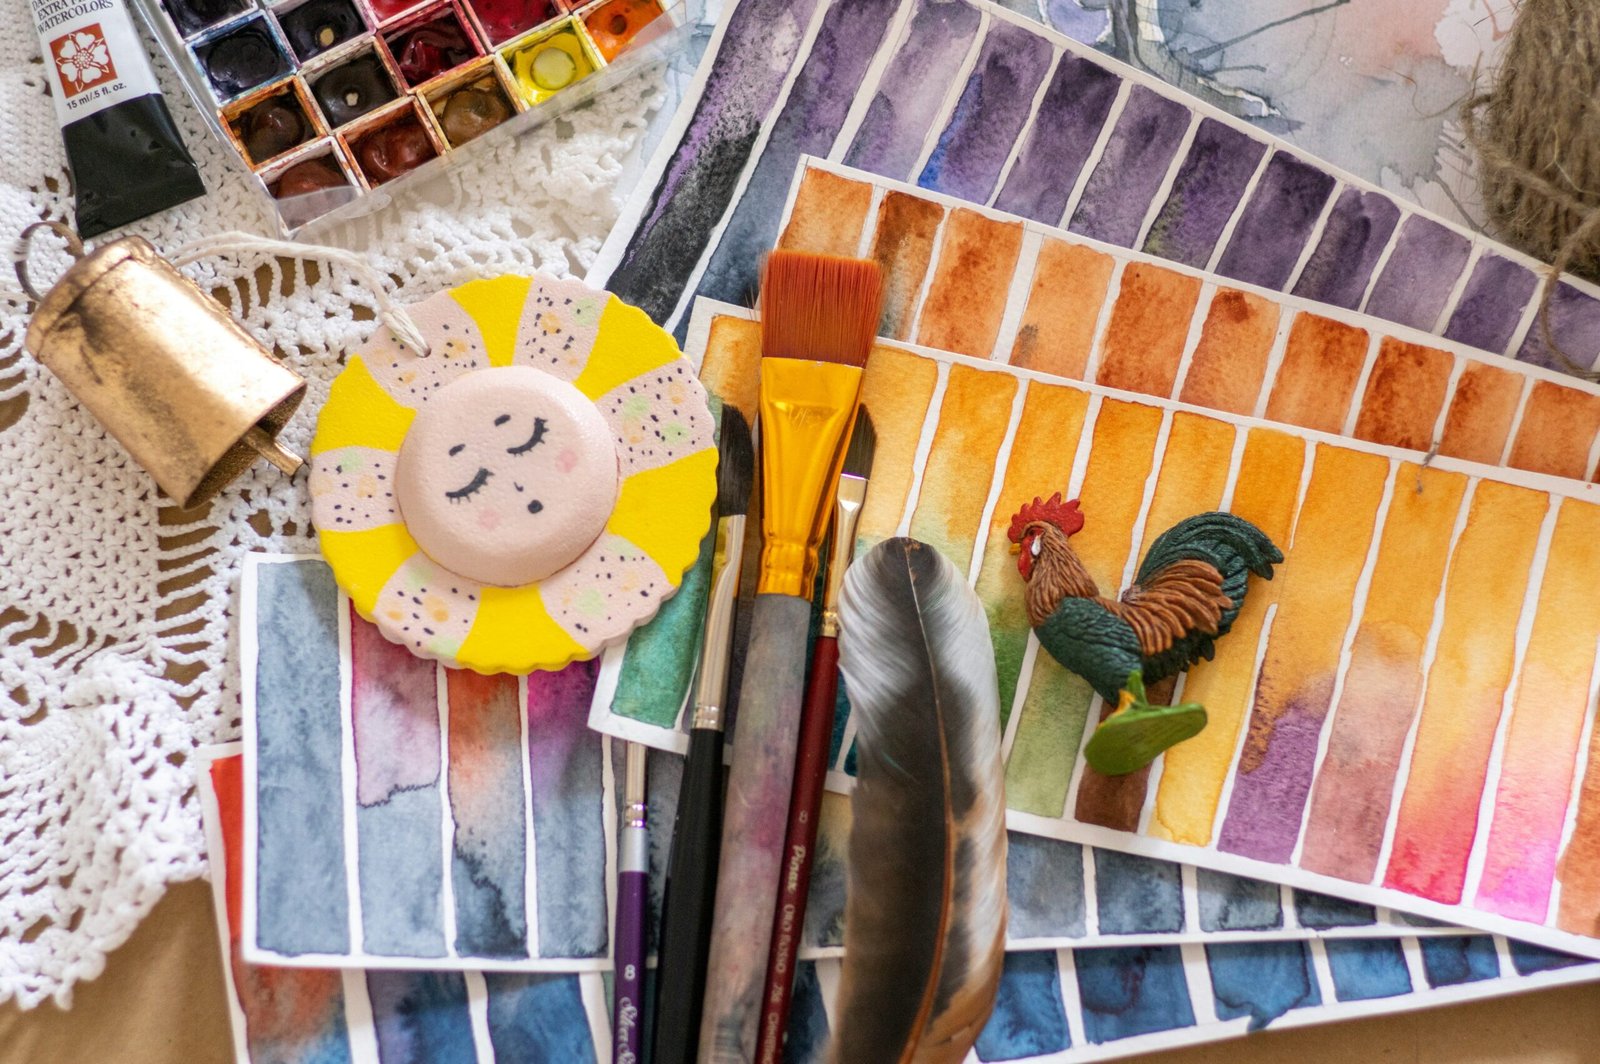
(160, 1001)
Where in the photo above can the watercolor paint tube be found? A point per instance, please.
(127, 159)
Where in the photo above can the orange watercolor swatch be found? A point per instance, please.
(1052, 413)
(1383, 685)
(829, 213)
(1317, 380)
(971, 282)
(896, 390)
(1192, 477)
(1057, 329)
(1294, 689)
(1558, 428)
(1228, 364)
(1481, 413)
(902, 247)
(1265, 494)
(1149, 325)
(1405, 392)
(1438, 813)
(1546, 726)
(1050, 728)
(959, 471)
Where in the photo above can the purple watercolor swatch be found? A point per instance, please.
(1209, 185)
(1132, 167)
(808, 124)
(1062, 135)
(1358, 229)
(1492, 304)
(1264, 813)
(993, 108)
(911, 92)
(1575, 324)
(760, 43)
(1422, 271)
(1276, 223)
(394, 707)
(566, 774)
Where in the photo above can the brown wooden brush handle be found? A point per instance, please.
(766, 731)
(810, 774)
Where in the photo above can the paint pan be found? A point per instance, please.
(473, 100)
(242, 56)
(614, 25)
(550, 60)
(352, 84)
(431, 42)
(315, 27)
(312, 180)
(501, 20)
(393, 141)
(272, 121)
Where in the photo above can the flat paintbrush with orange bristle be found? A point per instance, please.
(819, 314)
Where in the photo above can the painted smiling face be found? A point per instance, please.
(506, 475)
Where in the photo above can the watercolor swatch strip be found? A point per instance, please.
(401, 814)
(1054, 1005)
(1040, 126)
(305, 1015)
(439, 877)
(1403, 718)
(980, 283)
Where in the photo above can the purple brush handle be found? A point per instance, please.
(632, 884)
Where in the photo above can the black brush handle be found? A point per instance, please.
(686, 909)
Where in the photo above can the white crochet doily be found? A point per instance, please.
(101, 703)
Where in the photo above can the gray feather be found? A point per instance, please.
(926, 911)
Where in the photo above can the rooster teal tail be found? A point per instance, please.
(1237, 548)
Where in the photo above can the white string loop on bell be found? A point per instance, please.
(390, 312)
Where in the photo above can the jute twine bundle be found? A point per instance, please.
(1537, 136)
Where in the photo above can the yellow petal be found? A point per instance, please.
(665, 511)
(364, 561)
(628, 344)
(496, 305)
(359, 413)
(514, 633)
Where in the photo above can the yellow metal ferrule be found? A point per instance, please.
(807, 409)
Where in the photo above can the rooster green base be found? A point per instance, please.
(1189, 588)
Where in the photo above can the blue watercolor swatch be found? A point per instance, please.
(538, 1018)
(1137, 895)
(1261, 980)
(421, 1017)
(1367, 968)
(1028, 1018)
(1454, 959)
(300, 880)
(1234, 903)
(1044, 884)
(1129, 991)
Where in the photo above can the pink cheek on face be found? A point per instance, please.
(567, 460)
(488, 519)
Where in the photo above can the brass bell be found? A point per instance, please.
(193, 397)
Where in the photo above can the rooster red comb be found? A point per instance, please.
(1064, 515)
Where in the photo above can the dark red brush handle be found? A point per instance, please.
(811, 773)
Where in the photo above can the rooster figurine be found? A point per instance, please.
(1188, 591)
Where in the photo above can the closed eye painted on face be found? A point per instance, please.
(539, 429)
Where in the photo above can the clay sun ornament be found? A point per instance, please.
(1189, 588)
(526, 493)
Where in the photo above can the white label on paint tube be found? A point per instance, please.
(93, 56)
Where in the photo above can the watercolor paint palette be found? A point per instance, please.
(1402, 718)
(1043, 127)
(326, 100)
(1054, 1005)
(435, 849)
